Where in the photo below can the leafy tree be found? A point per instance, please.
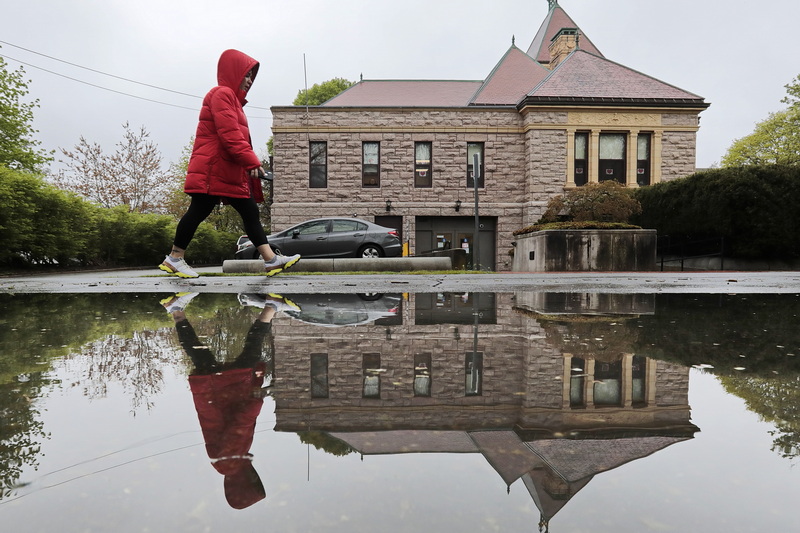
(322, 92)
(18, 149)
(132, 176)
(775, 140)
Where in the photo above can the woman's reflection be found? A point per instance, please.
(228, 396)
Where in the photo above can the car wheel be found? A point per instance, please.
(370, 251)
(277, 250)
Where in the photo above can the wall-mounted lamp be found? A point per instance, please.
(388, 205)
(458, 205)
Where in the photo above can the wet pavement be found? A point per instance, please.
(515, 402)
(213, 280)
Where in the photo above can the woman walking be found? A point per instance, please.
(223, 167)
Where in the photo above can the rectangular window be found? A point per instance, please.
(612, 157)
(607, 386)
(581, 158)
(643, 144)
(639, 381)
(371, 166)
(577, 383)
(319, 375)
(423, 176)
(422, 374)
(371, 366)
(318, 165)
(472, 149)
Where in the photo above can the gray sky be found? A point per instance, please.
(737, 54)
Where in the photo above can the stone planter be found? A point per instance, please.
(585, 250)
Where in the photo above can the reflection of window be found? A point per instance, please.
(318, 165)
(639, 376)
(371, 167)
(473, 374)
(422, 374)
(319, 375)
(577, 382)
(422, 165)
(372, 375)
(472, 150)
(612, 157)
(608, 384)
(643, 159)
(581, 158)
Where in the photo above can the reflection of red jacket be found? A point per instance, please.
(228, 411)
(223, 153)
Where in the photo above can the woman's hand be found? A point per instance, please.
(257, 172)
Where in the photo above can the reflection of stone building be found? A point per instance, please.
(485, 374)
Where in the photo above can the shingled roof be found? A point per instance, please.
(511, 79)
(585, 76)
(406, 93)
(589, 78)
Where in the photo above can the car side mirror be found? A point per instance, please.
(295, 234)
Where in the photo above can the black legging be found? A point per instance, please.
(258, 348)
(201, 207)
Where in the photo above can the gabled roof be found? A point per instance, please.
(556, 20)
(510, 80)
(589, 78)
(406, 93)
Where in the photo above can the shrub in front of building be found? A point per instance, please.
(753, 208)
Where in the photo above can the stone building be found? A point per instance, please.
(555, 116)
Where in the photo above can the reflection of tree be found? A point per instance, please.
(758, 333)
(20, 429)
(37, 330)
(601, 337)
(136, 363)
(751, 342)
(776, 401)
(325, 442)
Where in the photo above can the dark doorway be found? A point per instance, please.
(441, 233)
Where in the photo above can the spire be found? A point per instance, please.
(513, 39)
(552, 4)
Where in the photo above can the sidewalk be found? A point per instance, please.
(151, 280)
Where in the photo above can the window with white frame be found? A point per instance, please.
(371, 167)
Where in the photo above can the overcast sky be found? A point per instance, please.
(737, 54)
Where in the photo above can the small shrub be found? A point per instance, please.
(607, 201)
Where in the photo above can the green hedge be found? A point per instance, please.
(753, 208)
(41, 225)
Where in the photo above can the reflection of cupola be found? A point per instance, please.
(563, 44)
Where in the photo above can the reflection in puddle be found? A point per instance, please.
(547, 390)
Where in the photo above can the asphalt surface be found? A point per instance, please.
(213, 281)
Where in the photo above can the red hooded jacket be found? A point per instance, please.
(223, 153)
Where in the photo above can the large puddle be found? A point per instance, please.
(511, 412)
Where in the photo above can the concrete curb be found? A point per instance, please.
(379, 264)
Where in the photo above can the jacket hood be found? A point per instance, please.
(232, 67)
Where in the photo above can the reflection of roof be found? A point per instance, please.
(577, 459)
(571, 462)
(408, 441)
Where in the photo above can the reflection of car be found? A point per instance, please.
(329, 237)
(336, 310)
